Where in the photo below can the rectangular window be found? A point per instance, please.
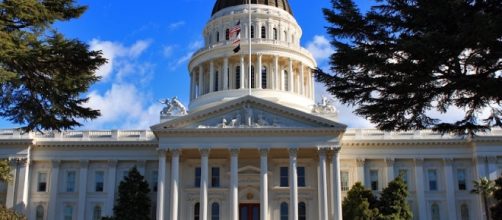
(215, 177)
(462, 184)
(197, 177)
(374, 180)
(155, 179)
(404, 174)
(68, 212)
(99, 181)
(284, 177)
(433, 180)
(345, 180)
(301, 176)
(70, 181)
(42, 182)
(238, 77)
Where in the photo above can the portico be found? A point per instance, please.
(247, 153)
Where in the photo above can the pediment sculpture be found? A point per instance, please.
(326, 106)
(173, 107)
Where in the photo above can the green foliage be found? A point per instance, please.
(497, 195)
(485, 188)
(7, 214)
(402, 59)
(360, 204)
(133, 202)
(393, 203)
(42, 74)
(5, 175)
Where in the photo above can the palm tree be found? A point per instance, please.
(485, 188)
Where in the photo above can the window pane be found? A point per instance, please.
(435, 212)
(432, 174)
(345, 180)
(68, 213)
(374, 179)
(264, 77)
(284, 211)
(70, 181)
(263, 32)
(42, 182)
(40, 213)
(196, 211)
(197, 177)
(97, 213)
(302, 211)
(99, 178)
(215, 211)
(464, 212)
(215, 177)
(461, 179)
(284, 177)
(301, 176)
(154, 181)
(253, 79)
(238, 77)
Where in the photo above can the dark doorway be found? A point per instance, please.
(249, 212)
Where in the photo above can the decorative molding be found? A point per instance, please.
(390, 161)
(293, 152)
(360, 162)
(204, 152)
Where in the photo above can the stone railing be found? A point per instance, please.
(112, 135)
(375, 134)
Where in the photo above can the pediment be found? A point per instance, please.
(249, 112)
(248, 170)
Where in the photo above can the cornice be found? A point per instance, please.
(16, 141)
(45, 144)
(401, 142)
(250, 131)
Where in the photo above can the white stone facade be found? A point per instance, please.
(240, 156)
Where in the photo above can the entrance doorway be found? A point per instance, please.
(249, 212)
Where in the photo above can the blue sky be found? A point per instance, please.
(148, 45)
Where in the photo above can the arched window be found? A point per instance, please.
(286, 36)
(217, 36)
(237, 77)
(253, 78)
(302, 211)
(39, 215)
(227, 34)
(276, 3)
(96, 213)
(435, 212)
(284, 211)
(252, 31)
(263, 32)
(275, 33)
(264, 77)
(196, 211)
(215, 211)
(464, 212)
(286, 80)
(68, 212)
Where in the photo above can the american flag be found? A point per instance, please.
(235, 34)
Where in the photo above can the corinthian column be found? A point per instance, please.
(234, 184)
(293, 190)
(264, 184)
(175, 175)
(323, 184)
(204, 183)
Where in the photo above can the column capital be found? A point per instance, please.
(175, 152)
(293, 152)
(448, 161)
(419, 161)
(491, 159)
(390, 161)
(322, 151)
(360, 161)
(84, 163)
(234, 151)
(264, 152)
(204, 152)
(55, 163)
(112, 163)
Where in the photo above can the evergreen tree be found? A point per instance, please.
(393, 203)
(402, 59)
(133, 202)
(43, 75)
(8, 214)
(5, 175)
(497, 195)
(360, 204)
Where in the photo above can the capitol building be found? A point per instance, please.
(253, 144)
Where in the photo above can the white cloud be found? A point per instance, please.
(117, 55)
(320, 48)
(195, 45)
(176, 25)
(123, 106)
(168, 50)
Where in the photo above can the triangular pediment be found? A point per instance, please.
(249, 112)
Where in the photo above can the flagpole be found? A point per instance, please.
(249, 38)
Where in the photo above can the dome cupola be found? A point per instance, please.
(221, 4)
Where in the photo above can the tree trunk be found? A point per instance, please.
(485, 200)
